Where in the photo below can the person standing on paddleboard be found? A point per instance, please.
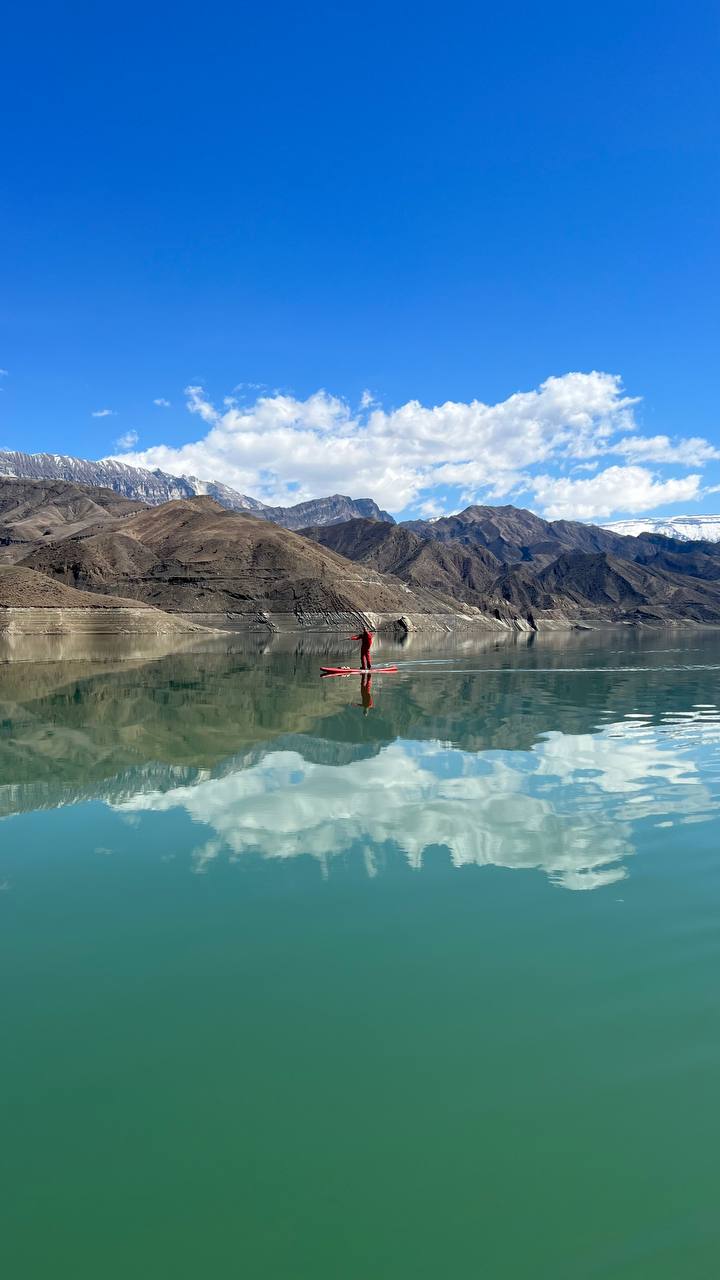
(366, 638)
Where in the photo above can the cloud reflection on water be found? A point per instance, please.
(566, 807)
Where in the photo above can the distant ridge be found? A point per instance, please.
(156, 487)
(693, 528)
(153, 487)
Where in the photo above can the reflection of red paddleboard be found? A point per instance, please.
(357, 671)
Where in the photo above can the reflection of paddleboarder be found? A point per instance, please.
(366, 698)
(366, 638)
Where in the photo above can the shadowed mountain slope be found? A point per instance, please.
(22, 588)
(576, 584)
(465, 573)
(196, 557)
(36, 509)
(513, 534)
(659, 580)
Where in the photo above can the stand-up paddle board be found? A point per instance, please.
(357, 671)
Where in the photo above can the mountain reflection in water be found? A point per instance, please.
(543, 757)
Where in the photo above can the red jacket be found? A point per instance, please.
(366, 639)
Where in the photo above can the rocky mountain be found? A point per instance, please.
(695, 528)
(539, 570)
(131, 482)
(466, 573)
(34, 509)
(578, 583)
(514, 534)
(326, 511)
(156, 487)
(196, 557)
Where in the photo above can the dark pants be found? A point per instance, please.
(365, 662)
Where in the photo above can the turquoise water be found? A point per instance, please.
(294, 986)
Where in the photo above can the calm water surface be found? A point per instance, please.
(294, 986)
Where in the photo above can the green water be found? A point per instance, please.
(293, 987)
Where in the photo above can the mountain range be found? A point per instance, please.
(195, 559)
(507, 561)
(190, 556)
(156, 487)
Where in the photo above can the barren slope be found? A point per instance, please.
(23, 588)
(465, 573)
(603, 586)
(197, 557)
(34, 510)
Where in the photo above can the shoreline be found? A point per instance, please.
(120, 620)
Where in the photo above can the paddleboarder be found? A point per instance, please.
(366, 638)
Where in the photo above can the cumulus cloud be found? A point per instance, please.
(162, 403)
(103, 413)
(693, 452)
(431, 508)
(127, 441)
(611, 490)
(284, 449)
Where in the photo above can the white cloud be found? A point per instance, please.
(367, 399)
(162, 403)
(611, 490)
(283, 449)
(103, 413)
(693, 452)
(127, 441)
(431, 508)
(397, 456)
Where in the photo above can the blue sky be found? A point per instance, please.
(290, 206)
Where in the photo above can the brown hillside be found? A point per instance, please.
(22, 588)
(463, 572)
(197, 557)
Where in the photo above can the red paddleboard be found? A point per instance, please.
(357, 671)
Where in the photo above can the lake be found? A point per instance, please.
(301, 979)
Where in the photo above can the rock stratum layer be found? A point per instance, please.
(33, 604)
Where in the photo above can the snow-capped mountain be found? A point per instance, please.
(691, 528)
(156, 487)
